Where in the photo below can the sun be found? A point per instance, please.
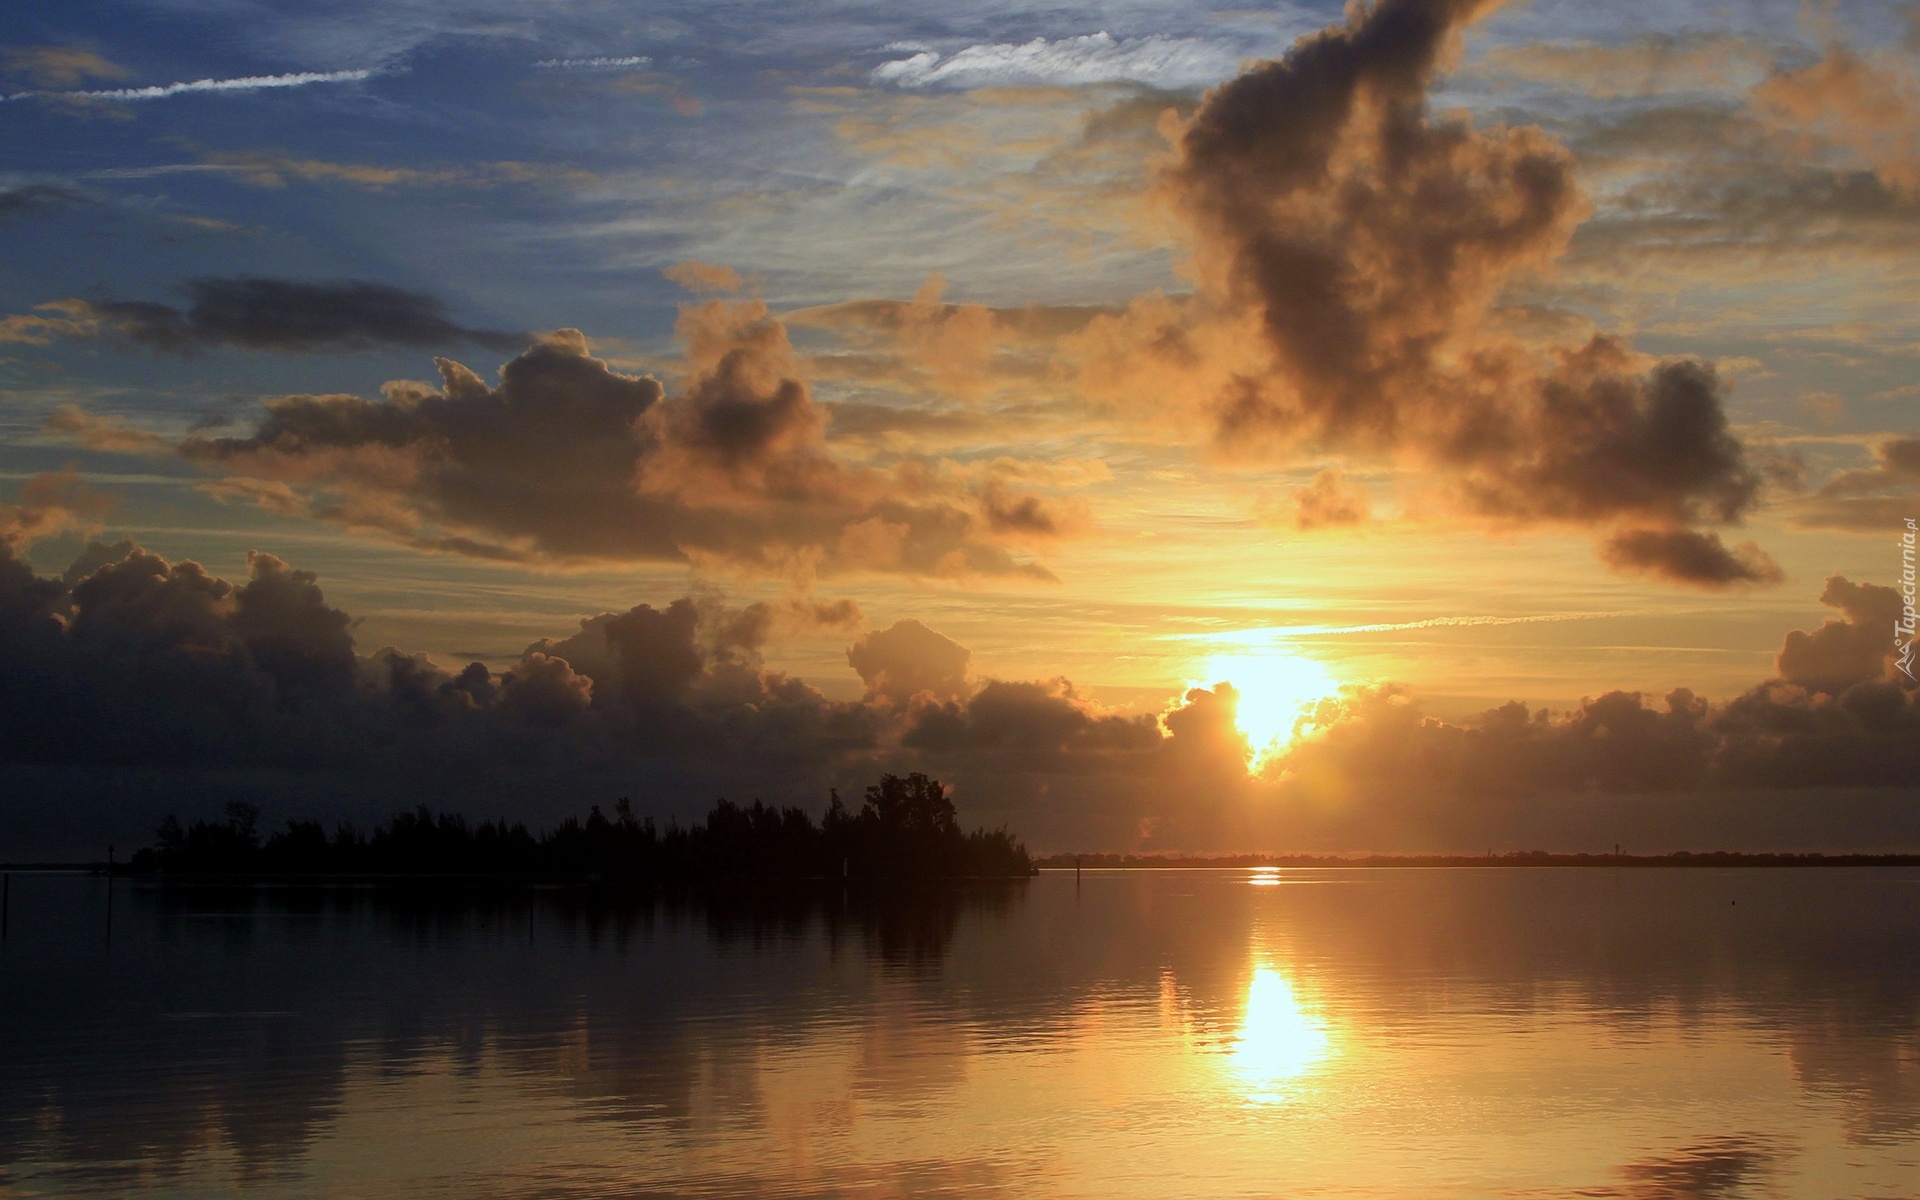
(1275, 687)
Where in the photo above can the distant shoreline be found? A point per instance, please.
(1051, 862)
(1534, 858)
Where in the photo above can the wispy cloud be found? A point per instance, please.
(1275, 633)
(248, 83)
(627, 63)
(1094, 58)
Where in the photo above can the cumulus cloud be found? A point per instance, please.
(907, 659)
(1367, 242)
(131, 662)
(274, 314)
(567, 460)
(1095, 58)
(1853, 649)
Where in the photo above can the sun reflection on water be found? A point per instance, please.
(1279, 1039)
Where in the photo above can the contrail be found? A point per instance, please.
(593, 64)
(250, 83)
(1292, 631)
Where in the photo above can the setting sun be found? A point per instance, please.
(1275, 686)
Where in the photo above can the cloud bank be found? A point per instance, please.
(129, 662)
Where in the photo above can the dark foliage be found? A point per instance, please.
(905, 829)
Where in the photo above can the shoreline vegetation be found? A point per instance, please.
(905, 830)
(1518, 858)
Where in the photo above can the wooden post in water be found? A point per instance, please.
(6, 901)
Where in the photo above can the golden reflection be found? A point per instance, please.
(1279, 1039)
(1265, 877)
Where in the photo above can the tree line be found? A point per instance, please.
(905, 828)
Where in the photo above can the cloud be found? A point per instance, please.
(568, 461)
(1689, 557)
(703, 278)
(628, 62)
(45, 505)
(57, 66)
(1876, 499)
(1329, 500)
(131, 662)
(280, 315)
(1366, 243)
(101, 433)
(35, 200)
(276, 170)
(1831, 718)
(906, 660)
(54, 319)
(1647, 65)
(1841, 653)
(1869, 108)
(1094, 58)
(250, 83)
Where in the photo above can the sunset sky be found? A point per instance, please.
(969, 388)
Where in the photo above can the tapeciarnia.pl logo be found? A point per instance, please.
(1903, 628)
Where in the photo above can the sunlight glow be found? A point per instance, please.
(1275, 687)
(1279, 1040)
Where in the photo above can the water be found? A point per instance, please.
(1405, 1033)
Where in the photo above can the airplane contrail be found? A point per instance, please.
(249, 83)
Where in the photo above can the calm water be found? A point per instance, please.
(1154, 1034)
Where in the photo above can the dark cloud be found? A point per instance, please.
(1362, 231)
(1608, 443)
(907, 659)
(1370, 241)
(1690, 557)
(1832, 718)
(135, 661)
(129, 665)
(568, 460)
(36, 200)
(285, 315)
(1853, 649)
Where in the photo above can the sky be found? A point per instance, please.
(1414, 426)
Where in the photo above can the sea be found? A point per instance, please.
(1340, 1032)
